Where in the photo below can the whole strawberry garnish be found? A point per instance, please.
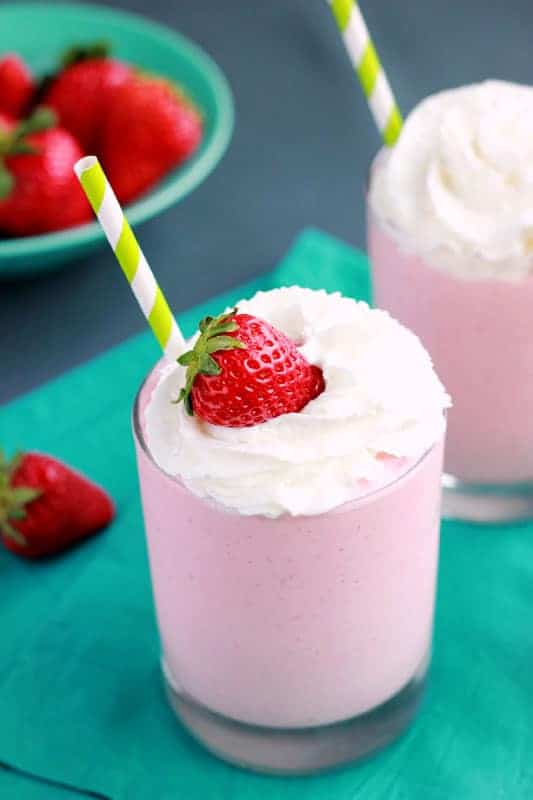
(16, 85)
(151, 127)
(45, 506)
(39, 191)
(81, 92)
(242, 371)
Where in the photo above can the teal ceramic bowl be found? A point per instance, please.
(40, 32)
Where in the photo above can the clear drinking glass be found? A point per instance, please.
(293, 644)
(478, 333)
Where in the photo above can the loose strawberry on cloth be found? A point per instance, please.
(242, 371)
(39, 191)
(45, 506)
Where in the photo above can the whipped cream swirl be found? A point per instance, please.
(459, 181)
(381, 396)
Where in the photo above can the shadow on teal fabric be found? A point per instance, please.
(80, 692)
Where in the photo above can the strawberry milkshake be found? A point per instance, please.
(451, 245)
(291, 501)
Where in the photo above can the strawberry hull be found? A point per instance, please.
(300, 642)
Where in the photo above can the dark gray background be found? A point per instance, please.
(302, 145)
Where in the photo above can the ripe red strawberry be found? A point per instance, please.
(151, 127)
(242, 372)
(6, 122)
(46, 506)
(80, 93)
(16, 85)
(38, 189)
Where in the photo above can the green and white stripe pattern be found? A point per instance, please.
(368, 67)
(130, 256)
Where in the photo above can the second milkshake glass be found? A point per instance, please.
(293, 644)
(478, 333)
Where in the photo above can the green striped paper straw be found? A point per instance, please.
(366, 62)
(130, 256)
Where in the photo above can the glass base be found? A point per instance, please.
(299, 751)
(486, 502)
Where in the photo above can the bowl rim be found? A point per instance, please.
(191, 173)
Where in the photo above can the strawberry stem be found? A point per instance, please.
(83, 52)
(40, 120)
(199, 360)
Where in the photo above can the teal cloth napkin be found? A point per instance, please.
(81, 698)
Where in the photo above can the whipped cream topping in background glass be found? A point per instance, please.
(381, 396)
(459, 182)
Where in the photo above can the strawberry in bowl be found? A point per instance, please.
(90, 73)
(17, 85)
(38, 190)
(158, 128)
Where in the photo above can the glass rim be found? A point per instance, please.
(346, 506)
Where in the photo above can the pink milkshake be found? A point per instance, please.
(294, 562)
(450, 230)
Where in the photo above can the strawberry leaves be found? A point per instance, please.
(15, 143)
(41, 119)
(13, 500)
(6, 182)
(199, 360)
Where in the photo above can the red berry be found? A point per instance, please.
(45, 506)
(243, 372)
(44, 194)
(16, 85)
(81, 95)
(6, 121)
(149, 130)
